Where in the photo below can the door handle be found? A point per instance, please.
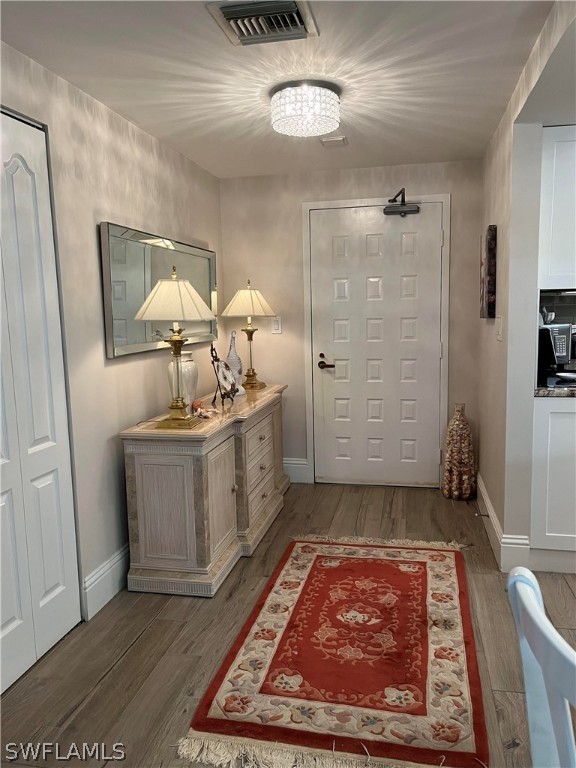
(323, 365)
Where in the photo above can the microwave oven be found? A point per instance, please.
(562, 340)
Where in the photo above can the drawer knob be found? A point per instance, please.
(262, 467)
(261, 437)
(234, 488)
(265, 494)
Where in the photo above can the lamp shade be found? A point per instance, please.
(174, 299)
(248, 302)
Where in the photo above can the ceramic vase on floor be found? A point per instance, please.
(459, 465)
(235, 364)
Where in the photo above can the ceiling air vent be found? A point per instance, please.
(249, 23)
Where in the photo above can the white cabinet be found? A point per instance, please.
(557, 257)
(553, 474)
(201, 498)
(165, 492)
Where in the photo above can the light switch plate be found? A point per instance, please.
(277, 324)
(499, 331)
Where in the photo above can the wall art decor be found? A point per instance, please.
(488, 274)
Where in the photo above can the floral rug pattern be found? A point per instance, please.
(358, 643)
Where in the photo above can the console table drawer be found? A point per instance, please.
(259, 436)
(258, 498)
(259, 467)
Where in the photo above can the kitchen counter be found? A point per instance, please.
(556, 392)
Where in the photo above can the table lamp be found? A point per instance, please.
(175, 298)
(248, 302)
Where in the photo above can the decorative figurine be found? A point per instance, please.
(225, 380)
(200, 411)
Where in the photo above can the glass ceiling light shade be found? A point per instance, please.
(305, 108)
(248, 302)
(175, 300)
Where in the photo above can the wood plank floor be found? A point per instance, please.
(134, 674)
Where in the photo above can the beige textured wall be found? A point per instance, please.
(262, 240)
(106, 169)
(499, 452)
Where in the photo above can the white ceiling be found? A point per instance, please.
(421, 81)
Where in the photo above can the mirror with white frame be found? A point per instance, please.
(132, 263)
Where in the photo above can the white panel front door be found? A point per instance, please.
(33, 319)
(376, 310)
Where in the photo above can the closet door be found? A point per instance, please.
(33, 313)
(17, 629)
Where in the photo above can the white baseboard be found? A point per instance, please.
(491, 522)
(299, 470)
(553, 560)
(104, 582)
(515, 550)
(509, 550)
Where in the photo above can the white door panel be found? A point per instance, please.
(376, 298)
(33, 318)
(17, 626)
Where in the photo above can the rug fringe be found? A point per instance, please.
(408, 543)
(233, 752)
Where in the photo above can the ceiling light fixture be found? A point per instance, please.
(305, 108)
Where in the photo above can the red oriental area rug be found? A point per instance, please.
(358, 652)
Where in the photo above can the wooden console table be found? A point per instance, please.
(199, 499)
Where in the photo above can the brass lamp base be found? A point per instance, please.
(179, 417)
(175, 423)
(251, 381)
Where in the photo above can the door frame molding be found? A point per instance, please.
(307, 208)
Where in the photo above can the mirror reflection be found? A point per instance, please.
(132, 263)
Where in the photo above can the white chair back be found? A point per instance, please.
(549, 665)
